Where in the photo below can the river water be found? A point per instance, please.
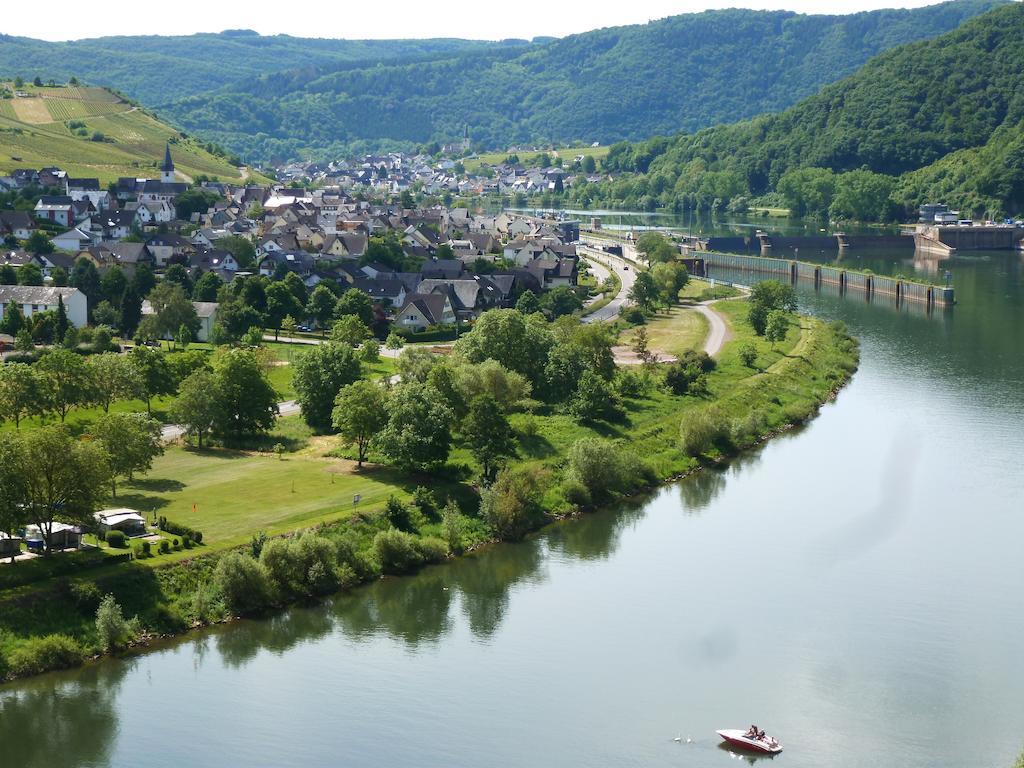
(855, 588)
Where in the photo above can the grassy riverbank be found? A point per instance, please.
(236, 494)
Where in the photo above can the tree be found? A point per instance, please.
(234, 319)
(246, 401)
(593, 399)
(360, 412)
(640, 344)
(194, 200)
(319, 374)
(114, 377)
(656, 247)
(86, 278)
(155, 374)
(766, 296)
(777, 326)
(21, 392)
(355, 302)
(512, 505)
(131, 311)
(670, 279)
(105, 314)
(488, 434)
(298, 289)
(394, 341)
(64, 479)
(589, 164)
(196, 406)
(12, 485)
(68, 381)
(748, 354)
(206, 287)
(281, 303)
(143, 281)
(59, 276)
(113, 285)
(242, 249)
(644, 292)
(560, 301)
(320, 306)
(112, 629)
(349, 329)
(171, 309)
(8, 275)
(528, 303)
(39, 243)
(13, 320)
(30, 274)
(518, 342)
(176, 273)
(131, 441)
(418, 433)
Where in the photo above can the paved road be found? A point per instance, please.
(626, 274)
(719, 332)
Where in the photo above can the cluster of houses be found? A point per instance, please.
(318, 234)
(67, 536)
(396, 172)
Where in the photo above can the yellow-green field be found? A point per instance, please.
(672, 332)
(568, 154)
(34, 133)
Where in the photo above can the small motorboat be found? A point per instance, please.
(743, 740)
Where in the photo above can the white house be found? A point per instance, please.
(128, 521)
(206, 312)
(33, 298)
(73, 241)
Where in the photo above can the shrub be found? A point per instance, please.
(316, 556)
(576, 493)
(111, 627)
(165, 547)
(42, 654)
(424, 501)
(256, 544)
(116, 539)
(748, 354)
(242, 582)
(452, 525)
(397, 551)
(397, 514)
(176, 529)
(432, 549)
(704, 429)
(604, 469)
(511, 506)
(634, 316)
(86, 595)
(632, 383)
(186, 542)
(280, 564)
(146, 549)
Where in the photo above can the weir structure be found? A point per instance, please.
(845, 282)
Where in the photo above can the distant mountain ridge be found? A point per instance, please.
(284, 98)
(937, 120)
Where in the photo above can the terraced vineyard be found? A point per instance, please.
(93, 132)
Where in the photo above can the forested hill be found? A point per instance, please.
(152, 68)
(680, 73)
(941, 119)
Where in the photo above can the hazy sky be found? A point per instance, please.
(478, 19)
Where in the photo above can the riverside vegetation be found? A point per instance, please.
(526, 421)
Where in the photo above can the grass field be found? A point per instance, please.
(35, 131)
(566, 153)
(672, 332)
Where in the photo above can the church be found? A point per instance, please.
(165, 189)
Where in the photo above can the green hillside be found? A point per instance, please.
(92, 132)
(680, 73)
(933, 120)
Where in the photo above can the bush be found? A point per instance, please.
(145, 549)
(397, 551)
(242, 583)
(397, 514)
(634, 316)
(604, 469)
(280, 564)
(452, 525)
(43, 654)
(116, 539)
(111, 627)
(704, 429)
(176, 529)
(512, 505)
(576, 493)
(748, 354)
(256, 544)
(632, 383)
(165, 547)
(432, 549)
(316, 556)
(424, 501)
(86, 595)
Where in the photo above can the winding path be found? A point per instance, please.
(719, 332)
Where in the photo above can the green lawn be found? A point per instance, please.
(568, 154)
(697, 290)
(673, 331)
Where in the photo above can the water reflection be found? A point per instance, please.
(39, 719)
(596, 536)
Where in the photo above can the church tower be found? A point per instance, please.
(167, 169)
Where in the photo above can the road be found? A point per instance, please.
(172, 432)
(719, 331)
(624, 271)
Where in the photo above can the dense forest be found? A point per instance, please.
(681, 73)
(151, 68)
(280, 98)
(938, 120)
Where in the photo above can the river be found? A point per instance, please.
(855, 587)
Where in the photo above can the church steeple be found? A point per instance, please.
(167, 169)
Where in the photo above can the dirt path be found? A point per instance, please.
(719, 332)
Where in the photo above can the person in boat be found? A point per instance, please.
(751, 732)
(760, 735)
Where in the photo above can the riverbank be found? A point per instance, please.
(54, 627)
